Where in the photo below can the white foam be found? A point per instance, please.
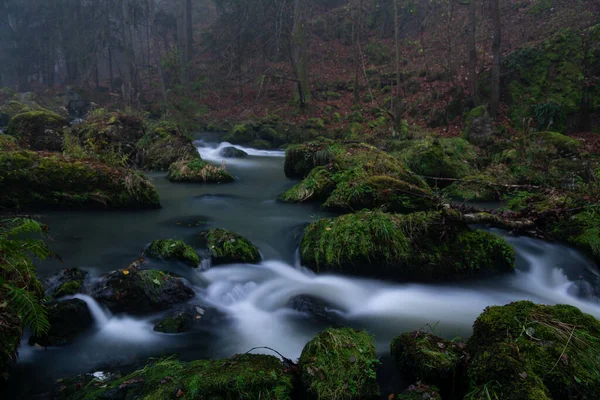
(211, 152)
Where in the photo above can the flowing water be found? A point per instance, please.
(254, 300)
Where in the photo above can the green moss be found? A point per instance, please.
(556, 145)
(174, 249)
(38, 130)
(178, 322)
(8, 143)
(228, 247)
(198, 170)
(240, 134)
(316, 186)
(356, 116)
(340, 364)
(68, 288)
(260, 144)
(485, 186)
(246, 377)
(441, 158)
(421, 356)
(536, 352)
(315, 123)
(163, 145)
(13, 108)
(418, 246)
(40, 180)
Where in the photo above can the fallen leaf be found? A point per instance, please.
(391, 396)
(523, 375)
(179, 393)
(125, 272)
(328, 229)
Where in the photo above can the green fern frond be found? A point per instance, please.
(29, 309)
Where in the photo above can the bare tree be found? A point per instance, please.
(472, 44)
(496, 42)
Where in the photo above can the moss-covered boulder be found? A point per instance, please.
(198, 170)
(554, 145)
(440, 158)
(248, 376)
(175, 250)
(13, 107)
(30, 180)
(227, 247)
(106, 135)
(424, 357)
(527, 351)
(68, 319)
(66, 282)
(491, 184)
(242, 133)
(415, 247)
(177, 322)
(340, 364)
(140, 291)
(353, 176)
(163, 145)
(38, 130)
(478, 128)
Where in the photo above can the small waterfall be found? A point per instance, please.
(211, 152)
(205, 264)
(101, 317)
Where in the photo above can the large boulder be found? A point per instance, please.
(350, 176)
(68, 319)
(424, 357)
(232, 152)
(30, 180)
(248, 376)
(227, 247)
(434, 246)
(174, 250)
(163, 145)
(198, 170)
(76, 103)
(340, 364)
(528, 351)
(38, 130)
(140, 291)
(479, 128)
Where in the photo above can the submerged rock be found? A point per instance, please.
(340, 364)
(198, 171)
(173, 249)
(38, 130)
(415, 247)
(139, 291)
(30, 180)
(528, 351)
(176, 322)
(68, 319)
(248, 376)
(66, 282)
(423, 357)
(227, 247)
(232, 152)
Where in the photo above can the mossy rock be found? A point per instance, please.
(424, 357)
(13, 108)
(227, 247)
(260, 144)
(241, 134)
(38, 130)
(66, 282)
(415, 247)
(248, 376)
(352, 176)
(175, 250)
(68, 319)
(340, 364)
(555, 144)
(478, 128)
(177, 322)
(581, 230)
(30, 180)
(440, 158)
(419, 391)
(489, 185)
(536, 352)
(198, 171)
(163, 145)
(140, 291)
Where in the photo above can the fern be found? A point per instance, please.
(29, 309)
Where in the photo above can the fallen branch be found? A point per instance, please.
(478, 182)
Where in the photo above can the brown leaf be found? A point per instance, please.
(565, 359)
(391, 396)
(179, 393)
(523, 375)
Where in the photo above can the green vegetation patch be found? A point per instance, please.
(243, 377)
(490, 184)
(416, 247)
(198, 170)
(174, 249)
(340, 364)
(30, 180)
(38, 130)
(163, 145)
(228, 247)
(524, 350)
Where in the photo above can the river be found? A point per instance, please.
(254, 300)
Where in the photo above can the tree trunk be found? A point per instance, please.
(398, 111)
(302, 93)
(472, 52)
(496, 42)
